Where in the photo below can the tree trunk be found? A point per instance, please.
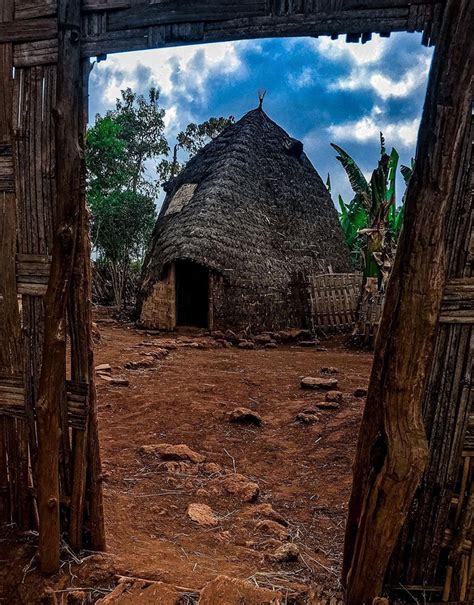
(392, 448)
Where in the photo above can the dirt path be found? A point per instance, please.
(302, 470)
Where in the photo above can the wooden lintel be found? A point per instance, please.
(28, 30)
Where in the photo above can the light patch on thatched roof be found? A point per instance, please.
(259, 212)
(182, 197)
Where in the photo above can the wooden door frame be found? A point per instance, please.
(62, 33)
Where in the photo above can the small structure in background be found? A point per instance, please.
(240, 231)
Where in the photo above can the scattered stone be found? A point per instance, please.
(360, 392)
(263, 339)
(232, 337)
(336, 396)
(271, 345)
(103, 368)
(246, 344)
(308, 417)
(238, 485)
(139, 365)
(115, 380)
(232, 591)
(285, 553)
(327, 405)
(273, 528)
(202, 514)
(265, 510)
(131, 592)
(245, 416)
(307, 343)
(211, 468)
(167, 451)
(322, 384)
(218, 335)
(328, 371)
(159, 353)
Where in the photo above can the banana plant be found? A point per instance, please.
(371, 222)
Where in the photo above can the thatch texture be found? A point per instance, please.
(251, 207)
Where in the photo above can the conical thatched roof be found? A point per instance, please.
(251, 206)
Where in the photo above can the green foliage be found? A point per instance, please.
(196, 136)
(191, 140)
(371, 222)
(119, 194)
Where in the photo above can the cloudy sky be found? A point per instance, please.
(319, 90)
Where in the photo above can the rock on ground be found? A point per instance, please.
(239, 485)
(328, 405)
(322, 384)
(267, 511)
(285, 553)
(328, 371)
(309, 417)
(246, 344)
(232, 591)
(139, 593)
(273, 528)
(245, 416)
(361, 392)
(167, 451)
(336, 396)
(142, 364)
(202, 514)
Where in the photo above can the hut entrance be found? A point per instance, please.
(192, 294)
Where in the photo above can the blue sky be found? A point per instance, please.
(318, 90)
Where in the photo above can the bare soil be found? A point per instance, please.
(302, 470)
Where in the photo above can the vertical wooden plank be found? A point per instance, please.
(392, 450)
(68, 164)
(82, 370)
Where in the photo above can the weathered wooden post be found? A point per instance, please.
(68, 189)
(392, 451)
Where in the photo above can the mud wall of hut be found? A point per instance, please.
(159, 308)
(258, 308)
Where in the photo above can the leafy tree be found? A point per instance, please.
(191, 140)
(371, 221)
(120, 195)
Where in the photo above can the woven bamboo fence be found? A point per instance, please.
(334, 301)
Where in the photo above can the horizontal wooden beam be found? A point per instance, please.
(458, 301)
(103, 34)
(12, 400)
(28, 30)
(32, 274)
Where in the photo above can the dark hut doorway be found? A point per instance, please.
(192, 294)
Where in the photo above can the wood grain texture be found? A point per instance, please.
(68, 181)
(392, 449)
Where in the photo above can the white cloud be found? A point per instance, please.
(403, 133)
(384, 86)
(304, 79)
(173, 70)
(358, 54)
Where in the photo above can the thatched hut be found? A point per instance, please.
(240, 229)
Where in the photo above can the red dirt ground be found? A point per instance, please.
(303, 471)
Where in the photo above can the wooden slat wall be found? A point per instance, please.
(440, 528)
(29, 210)
(334, 300)
(29, 206)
